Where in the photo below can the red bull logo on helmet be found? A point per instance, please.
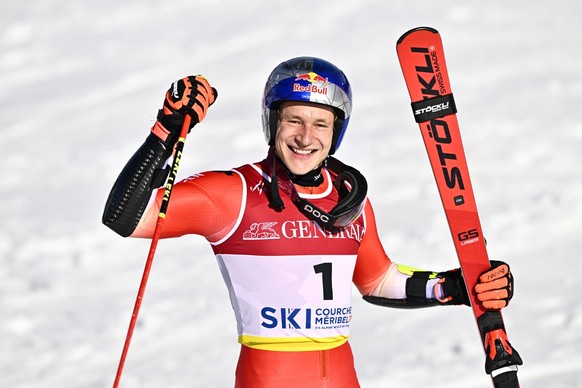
(317, 83)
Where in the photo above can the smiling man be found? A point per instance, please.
(304, 136)
(290, 233)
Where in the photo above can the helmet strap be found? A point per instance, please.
(275, 200)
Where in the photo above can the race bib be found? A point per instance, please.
(290, 303)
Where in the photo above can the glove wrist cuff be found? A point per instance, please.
(160, 131)
(167, 128)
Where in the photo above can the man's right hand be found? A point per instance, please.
(190, 95)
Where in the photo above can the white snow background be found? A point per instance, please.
(80, 85)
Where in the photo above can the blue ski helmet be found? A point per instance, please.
(307, 79)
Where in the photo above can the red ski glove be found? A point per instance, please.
(495, 286)
(190, 95)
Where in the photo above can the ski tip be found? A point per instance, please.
(429, 29)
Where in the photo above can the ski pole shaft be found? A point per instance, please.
(153, 245)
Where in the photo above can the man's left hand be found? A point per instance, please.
(495, 286)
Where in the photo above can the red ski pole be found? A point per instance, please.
(154, 244)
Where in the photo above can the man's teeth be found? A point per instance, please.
(304, 152)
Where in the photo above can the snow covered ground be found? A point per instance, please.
(80, 84)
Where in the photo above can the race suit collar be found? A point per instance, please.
(349, 182)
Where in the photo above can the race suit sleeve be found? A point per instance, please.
(206, 204)
(386, 283)
(373, 262)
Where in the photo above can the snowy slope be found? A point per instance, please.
(80, 83)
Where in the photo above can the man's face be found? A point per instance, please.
(304, 135)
